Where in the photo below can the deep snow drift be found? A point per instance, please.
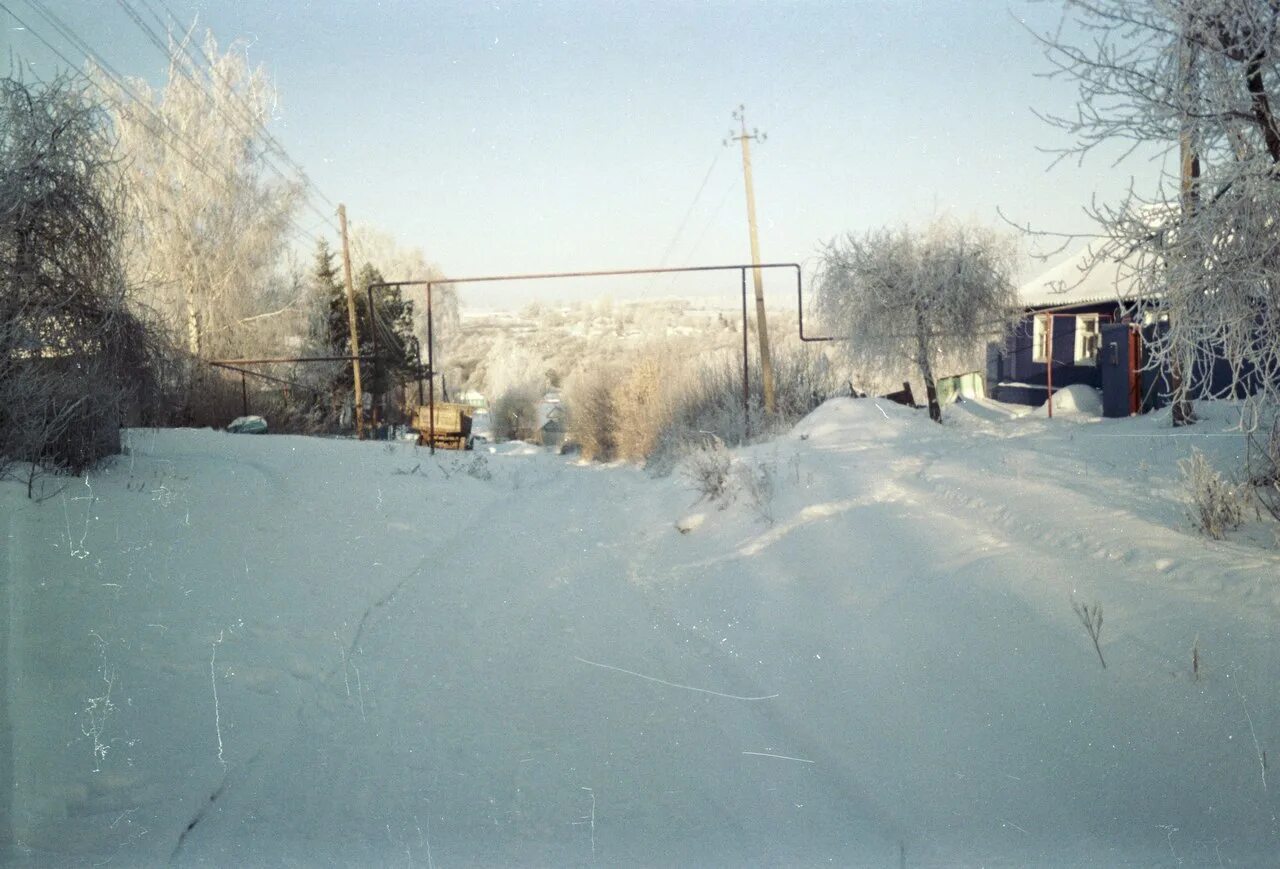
(232, 650)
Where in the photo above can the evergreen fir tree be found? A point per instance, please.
(391, 329)
(324, 286)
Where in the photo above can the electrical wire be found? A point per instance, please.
(280, 149)
(684, 221)
(255, 125)
(189, 155)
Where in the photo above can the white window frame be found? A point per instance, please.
(1039, 332)
(1087, 341)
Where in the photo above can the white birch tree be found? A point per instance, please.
(208, 221)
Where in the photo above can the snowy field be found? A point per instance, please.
(230, 650)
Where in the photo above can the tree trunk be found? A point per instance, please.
(1183, 413)
(1262, 106)
(926, 370)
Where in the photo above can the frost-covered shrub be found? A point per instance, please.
(515, 415)
(653, 411)
(709, 401)
(642, 403)
(593, 425)
(708, 468)
(1216, 505)
(759, 482)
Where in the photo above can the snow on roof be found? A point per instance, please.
(1082, 279)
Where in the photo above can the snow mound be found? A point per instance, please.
(1074, 400)
(248, 425)
(690, 523)
(858, 419)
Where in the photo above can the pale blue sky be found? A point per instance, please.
(505, 137)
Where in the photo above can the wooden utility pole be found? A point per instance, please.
(351, 320)
(762, 327)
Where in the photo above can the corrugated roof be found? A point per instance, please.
(1081, 279)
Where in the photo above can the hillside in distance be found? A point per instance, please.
(493, 350)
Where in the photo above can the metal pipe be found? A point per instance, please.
(746, 368)
(373, 339)
(589, 274)
(417, 350)
(225, 362)
(265, 376)
(800, 311)
(431, 382)
(244, 394)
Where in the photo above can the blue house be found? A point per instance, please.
(1075, 330)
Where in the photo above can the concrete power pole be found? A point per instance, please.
(762, 327)
(351, 320)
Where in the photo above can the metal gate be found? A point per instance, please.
(1120, 364)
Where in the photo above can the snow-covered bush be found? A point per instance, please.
(713, 473)
(759, 482)
(642, 403)
(1216, 506)
(515, 415)
(708, 468)
(593, 425)
(709, 400)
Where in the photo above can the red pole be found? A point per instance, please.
(1048, 357)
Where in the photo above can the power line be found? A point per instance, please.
(211, 69)
(710, 220)
(255, 126)
(684, 221)
(190, 156)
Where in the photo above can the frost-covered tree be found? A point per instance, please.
(512, 366)
(922, 297)
(1198, 79)
(410, 264)
(208, 220)
(73, 355)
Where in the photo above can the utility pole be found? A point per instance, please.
(351, 320)
(762, 327)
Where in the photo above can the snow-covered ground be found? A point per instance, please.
(233, 650)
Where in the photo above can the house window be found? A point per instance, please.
(1040, 338)
(1087, 339)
